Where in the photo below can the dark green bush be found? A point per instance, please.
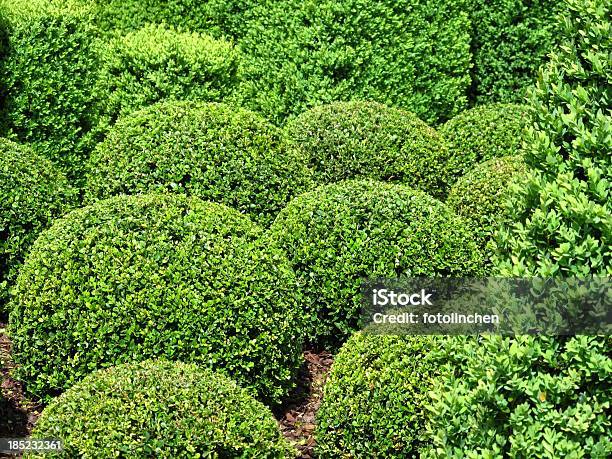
(137, 277)
(482, 133)
(161, 409)
(510, 41)
(337, 235)
(375, 397)
(157, 63)
(480, 195)
(536, 397)
(413, 54)
(345, 140)
(48, 70)
(212, 151)
(32, 194)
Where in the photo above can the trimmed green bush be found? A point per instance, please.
(157, 63)
(510, 41)
(413, 54)
(540, 397)
(480, 195)
(345, 140)
(161, 409)
(49, 68)
(482, 133)
(340, 234)
(212, 151)
(32, 194)
(155, 276)
(375, 397)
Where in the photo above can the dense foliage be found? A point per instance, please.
(161, 409)
(510, 41)
(32, 193)
(340, 234)
(482, 133)
(345, 140)
(157, 63)
(48, 68)
(409, 53)
(375, 397)
(212, 151)
(136, 277)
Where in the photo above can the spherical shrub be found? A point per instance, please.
(211, 151)
(408, 53)
(32, 194)
(533, 396)
(161, 409)
(49, 68)
(375, 398)
(480, 195)
(340, 234)
(137, 277)
(345, 140)
(482, 133)
(157, 63)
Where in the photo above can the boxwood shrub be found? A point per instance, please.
(161, 409)
(137, 277)
(33, 192)
(345, 140)
(339, 234)
(413, 54)
(484, 132)
(49, 68)
(375, 398)
(156, 63)
(212, 151)
(528, 396)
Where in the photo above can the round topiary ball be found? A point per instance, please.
(346, 140)
(137, 277)
(33, 192)
(161, 409)
(338, 235)
(375, 397)
(209, 150)
(482, 133)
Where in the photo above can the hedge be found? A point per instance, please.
(32, 194)
(339, 234)
(528, 396)
(345, 140)
(482, 133)
(156, 63)
(155, 276)
(375, 397)
(408, 53)
(161, 409)
(510, 41)
(212, 151)
(49, 68)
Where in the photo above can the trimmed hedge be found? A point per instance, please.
(137, 277)
(157, 63)
(345, 140)
(32, 194)
(49, 68)
(527, 396)
(482, 133)
(511, 39)
(339, 234)
(161, 409)
(212, 151)
(413, 54)
(375, 397)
